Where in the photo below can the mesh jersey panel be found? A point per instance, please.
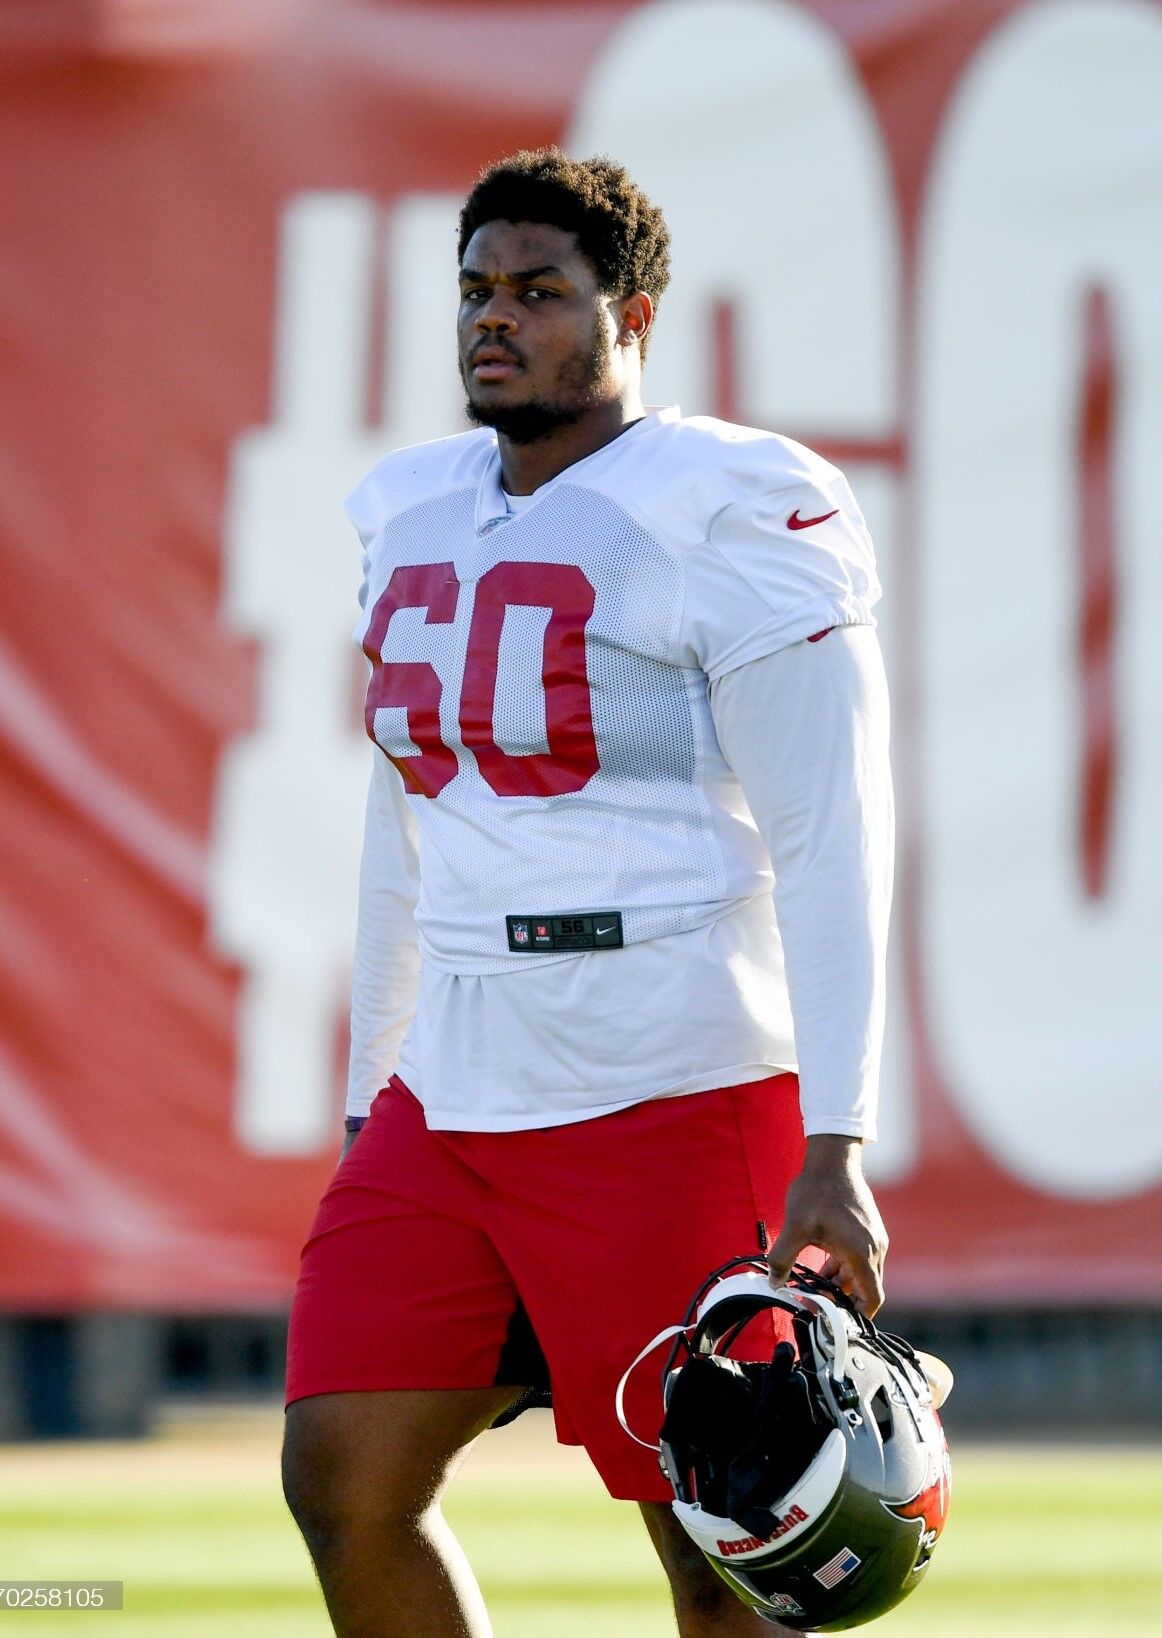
(660, 831)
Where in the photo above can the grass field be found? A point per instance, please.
(1042, 1540)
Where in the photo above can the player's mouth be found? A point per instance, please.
(494, 363)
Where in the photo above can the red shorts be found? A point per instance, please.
(432, 1251)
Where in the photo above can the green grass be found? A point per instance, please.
(1042, 1541)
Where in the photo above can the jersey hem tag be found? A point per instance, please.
(537, 933)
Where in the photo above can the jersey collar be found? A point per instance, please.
(491, 506)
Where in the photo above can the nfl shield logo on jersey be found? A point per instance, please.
(520, 932)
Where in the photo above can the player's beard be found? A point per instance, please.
(582, 382)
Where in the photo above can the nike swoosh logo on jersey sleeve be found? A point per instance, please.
(796, 522)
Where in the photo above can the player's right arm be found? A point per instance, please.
(386, 968)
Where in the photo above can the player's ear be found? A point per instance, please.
(637, 313)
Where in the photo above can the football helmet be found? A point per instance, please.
(816, 1481)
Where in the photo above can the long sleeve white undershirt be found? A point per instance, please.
(806, 731)
(386, 968)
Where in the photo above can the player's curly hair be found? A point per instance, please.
(618, 228)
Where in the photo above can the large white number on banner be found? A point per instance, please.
(1042, 665)
(747, 122)
(745, 119)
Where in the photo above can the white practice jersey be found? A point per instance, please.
(541, 679)
(591, 887)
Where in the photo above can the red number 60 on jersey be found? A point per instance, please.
(563, 588)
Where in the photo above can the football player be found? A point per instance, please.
(619, 966)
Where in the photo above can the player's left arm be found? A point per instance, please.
(806, 731)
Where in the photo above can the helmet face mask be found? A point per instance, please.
(818, 1485)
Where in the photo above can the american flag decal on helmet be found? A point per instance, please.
(838, 1568)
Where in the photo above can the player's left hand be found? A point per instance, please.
(830, 1205)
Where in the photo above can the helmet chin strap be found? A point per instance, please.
(619, 1396)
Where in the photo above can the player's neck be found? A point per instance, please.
(526, 467)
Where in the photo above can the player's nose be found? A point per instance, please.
(497, 315)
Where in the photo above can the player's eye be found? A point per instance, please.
(539, 290)
(475, 292)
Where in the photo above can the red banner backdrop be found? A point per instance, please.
(926, 238)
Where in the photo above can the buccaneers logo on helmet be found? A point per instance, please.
(929, 1504)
